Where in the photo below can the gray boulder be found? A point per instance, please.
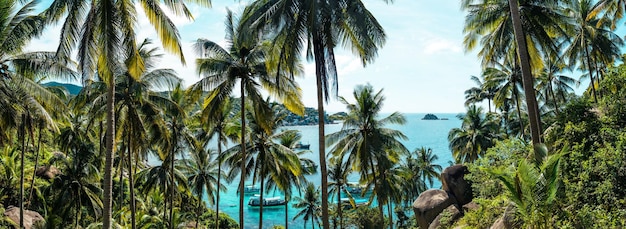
(428, 206)
(30, 217)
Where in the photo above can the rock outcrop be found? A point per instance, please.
(30, 217)
(47, 172)
(456, 193)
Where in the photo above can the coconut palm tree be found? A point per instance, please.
(506, 79)
(428, 170)
(287, 181)
(364, 140)
(319, 26)
(310, 205)
(219, 126)
(477, 134)
(102, 31)
(479, 93)
(338, 174)
(202, 175)
(244, 62)
(179, 139)
(611, 10)
(267, 157)
(591, 36)
(553, 85)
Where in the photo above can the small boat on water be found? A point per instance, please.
(267, 202)
(356, 188)
(251, 189)
(301, 145)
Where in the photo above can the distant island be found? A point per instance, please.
(430, 117)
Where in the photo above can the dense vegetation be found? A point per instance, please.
(551, 160)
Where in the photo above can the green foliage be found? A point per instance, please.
(225, 221)
(489, 210)
(364, 217)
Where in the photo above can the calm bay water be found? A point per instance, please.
(421, 133)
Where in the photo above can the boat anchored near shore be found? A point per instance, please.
(254, 201)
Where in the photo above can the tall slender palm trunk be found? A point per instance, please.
(23, 135)
(243, 155)
(339, 206)
(527, 78)
(219, 177)
(173, 185)
(32, 182)
(319, 55)
(108, 162)
(261, 192)
(131, 185)
(593, 83)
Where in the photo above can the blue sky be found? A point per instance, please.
(422, 67)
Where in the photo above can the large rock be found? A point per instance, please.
(450, 215)
(428, 206)
(454, 183)
(47, 172)
(30, 217)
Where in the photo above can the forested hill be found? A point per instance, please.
(71, 88)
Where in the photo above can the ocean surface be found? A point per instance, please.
(421, 133)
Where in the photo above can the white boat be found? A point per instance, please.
(251, 189)
(254, 201)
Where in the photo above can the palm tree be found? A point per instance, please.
(103, 30)
(286, 180)
(477, 133)
(139, 110)
(498, 27)
(180, 138)
(267, 158)
(158, 179)
(506, 80)
(591, 36)
(338, 175)
(220, 126)
(480, 93)
(78, 186)
(611, 10)
(320, 26)
(310, 205)
(364, 139)
(202, 175)
(244, 62)
(428, 170)
(553, 85)
(532, 188)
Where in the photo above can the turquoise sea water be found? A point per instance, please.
(427, 133)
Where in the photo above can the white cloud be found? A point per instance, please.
(442, 46)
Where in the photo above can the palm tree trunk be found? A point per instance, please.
(527, 78)
(243, 155)
(286, 213)
(319, 56)
(131, 183)
(172, 186)
(121, 181)
(378, 197)
(593, 84)
(519, 113)
(219, 176)
(198, 215)
(261, 190)
(554, 101)
(23, 135)
(339, 206)
(108, 162)
(32, 182)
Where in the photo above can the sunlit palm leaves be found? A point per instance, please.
(364, 139)
(478, 132)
